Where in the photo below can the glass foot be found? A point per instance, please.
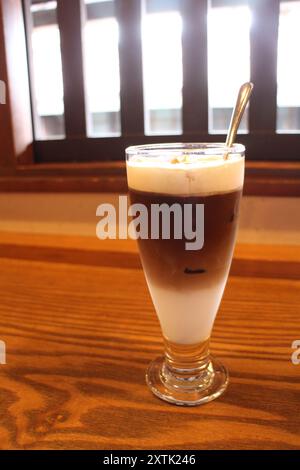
(180, 387)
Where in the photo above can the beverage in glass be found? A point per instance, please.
(186, 285)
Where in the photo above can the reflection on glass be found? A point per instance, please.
(288, 68)
(102, 72)
(228, 63)
(47, 72)
(162, 60)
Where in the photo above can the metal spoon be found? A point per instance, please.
(241, 103)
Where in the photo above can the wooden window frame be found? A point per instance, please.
(29, 165)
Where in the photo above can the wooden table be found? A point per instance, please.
(80, 330)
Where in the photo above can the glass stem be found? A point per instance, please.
(187, 364)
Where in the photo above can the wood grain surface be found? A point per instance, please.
(79, 336)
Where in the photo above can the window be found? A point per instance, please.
(106, 74)
(102, 72)
(47, 72)
(228, 41)
(288, 70)
(162, 59)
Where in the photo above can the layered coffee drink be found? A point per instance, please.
(186, 285)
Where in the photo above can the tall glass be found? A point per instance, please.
(186, 279)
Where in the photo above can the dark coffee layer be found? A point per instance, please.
(167, 262)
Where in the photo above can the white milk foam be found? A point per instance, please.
(187, 316)
(201, 176)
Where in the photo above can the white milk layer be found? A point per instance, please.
(200, 176)
(187, 317)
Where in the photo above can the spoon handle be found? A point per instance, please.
(241, 103)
